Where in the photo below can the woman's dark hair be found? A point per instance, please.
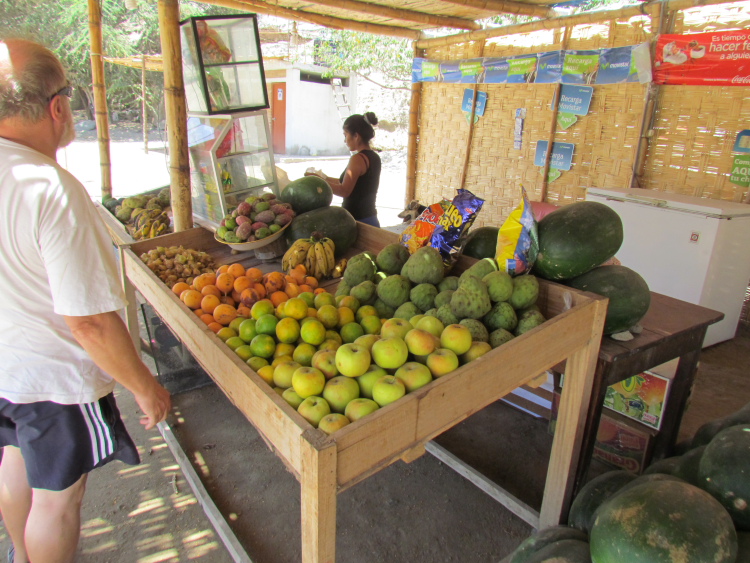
(362, 124)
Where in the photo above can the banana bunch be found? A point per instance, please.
(338, 269)
(149, 223)
(315, 253)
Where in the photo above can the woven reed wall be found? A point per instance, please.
(690, 149)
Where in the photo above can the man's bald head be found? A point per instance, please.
(29, 75)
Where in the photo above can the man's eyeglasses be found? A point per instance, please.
(64, 91)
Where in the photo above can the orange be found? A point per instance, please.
(234, 342)
(297, 276)
(274, 282)
(236, 270)
(266, 324)
(313, 332)
(247, 330)
(198, 311)
(346, 315)
(280, 310)
(227, 300)
(295, 308)
(262, 307)
(287, 330)
(191, 298)
(266, 374)
(371, 324)
(203, 280)
(222, 269)
(329, 344)
(303, 354)
(284, 349)
(241, 283)
(225, 314)
(351, 302)
(308, 297)
(261, 289)
(211, 290)
(278, 297)
(235, 324)
(256, 362)
(318, 290)
(225, 333)
(304, 288)
(209, 303)
(351, 331)
(333, 335)
(225, 283)
(329, 316)
(207, 318)
(243, 311)
(364, 311)
(291, 289)
(254, 274)
(323, 298)
(312, 312)
(244, 352)
(312, 282)
(179, 287)
(263, 345)
(281, 359)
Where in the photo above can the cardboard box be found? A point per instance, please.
(641, 397)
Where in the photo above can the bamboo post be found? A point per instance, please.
(174, 101)
(470, 136)
(100, 96)
(144, 118)
(411, 147)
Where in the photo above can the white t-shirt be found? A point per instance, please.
(56, 258)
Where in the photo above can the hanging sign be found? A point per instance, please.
(712, 59)
(553, 175)
(566, 120)
(741, 171)
(742, 143)
(575, 99)
(480, 105)
(562, 155)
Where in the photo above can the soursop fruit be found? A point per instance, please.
(502, 315)
(392, 258)
(471, 299)
(423, 296)
(394, 290)
(525, 291)
(424, 266)
(479, 332)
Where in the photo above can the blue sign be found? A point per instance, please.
(616, 66)
(562, 155)
(481, 101)
(549, 68)
(496, 70)
(742, 143)
(575, 99)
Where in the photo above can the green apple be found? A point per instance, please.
(456, 337)
(282, 375)
(395, 327)
(414, 375)
(358, 408)
(477, 349)
(420, 342)
(313, 409)
(291, 397)
(387, 389)
(368, 379)
(442, 361)
(415, 319)
(431, 324)
(390, 353)
(367, 340)
(329, 344)
(339, 391)
(308, 381)
(256, 362)
(279, 391)
(332, 422)
(325, 361)
(352, 359)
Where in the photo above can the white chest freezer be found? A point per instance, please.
(693, 249)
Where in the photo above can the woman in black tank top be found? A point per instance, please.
(358, 184)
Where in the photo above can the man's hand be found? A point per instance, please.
(155, 405)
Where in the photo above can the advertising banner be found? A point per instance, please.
(712, 59)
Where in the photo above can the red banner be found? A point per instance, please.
(711, 59)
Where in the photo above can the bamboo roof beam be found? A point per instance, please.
(399, 14)
(506, 7)
(564, 21)
(318, 19)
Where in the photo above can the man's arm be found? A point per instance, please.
(107, 341)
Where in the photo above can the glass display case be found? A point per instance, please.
(231, 158)
(222, 64)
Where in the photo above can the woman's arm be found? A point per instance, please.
(357, 167)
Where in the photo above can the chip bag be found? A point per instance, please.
(418, 234)
(454, 225)
(517, 240)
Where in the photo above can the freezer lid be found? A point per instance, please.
(717, 208)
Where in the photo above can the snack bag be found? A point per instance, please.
(517, 241)
(418, 234)
(454, 226)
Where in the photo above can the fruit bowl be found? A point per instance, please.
(245, 246)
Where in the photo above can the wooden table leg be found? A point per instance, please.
(318, 490)
(598, 391)
(131, 312)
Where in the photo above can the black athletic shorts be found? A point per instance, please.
(60, 443)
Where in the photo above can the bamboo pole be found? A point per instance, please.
(470, 136)
(174, 101)
(100, 96)
(399, 14)
(144, 118)
(557, 22)
(326, 21)
(411, 147)
(506, 6)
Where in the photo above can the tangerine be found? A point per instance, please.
(371, 324)
(256, 362)
(266, 324)
(287, 330)
(364, 311)
(191, 298)
(225, 282)
(263, 345)
(351, 302)
(291, 289)
(351, 331)
(303, 354)
(255, 275)
(266, 374)
(179, 287)
(308, 297)
(203, 280)
(295, 308)
(209, 303)
(225, 314)
(328, 315)
(236, 269)
(222, 269)
(278, 297)
(243, 311)
(241, 283)
(262, 307)
(284, 349)
(318, 290)
(346, 315)
(198, 311)
(207, 318)
(311, 281)
(225, 333)
(313, 332)
(323, 298)
(215, 327)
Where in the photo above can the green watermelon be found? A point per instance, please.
(663, 522)
(576, 238)
(307, 193)
(688, 468)
(725, 472)
(706, 432)
(543, 538)
(563, 551)
(333, 222)
(667, 465)
(481, 243)
(593, 494)
(628, 293)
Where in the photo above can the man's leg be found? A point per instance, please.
(54, 523)
(15, 498)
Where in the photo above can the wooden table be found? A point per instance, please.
(671, 329)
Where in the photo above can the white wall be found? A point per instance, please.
(313, 125)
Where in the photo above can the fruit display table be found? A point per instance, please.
(327, 465)
(117, 231)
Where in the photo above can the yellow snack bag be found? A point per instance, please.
(517, 241)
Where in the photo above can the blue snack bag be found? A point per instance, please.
(454, 225)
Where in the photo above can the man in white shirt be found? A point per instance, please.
(63, 344)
